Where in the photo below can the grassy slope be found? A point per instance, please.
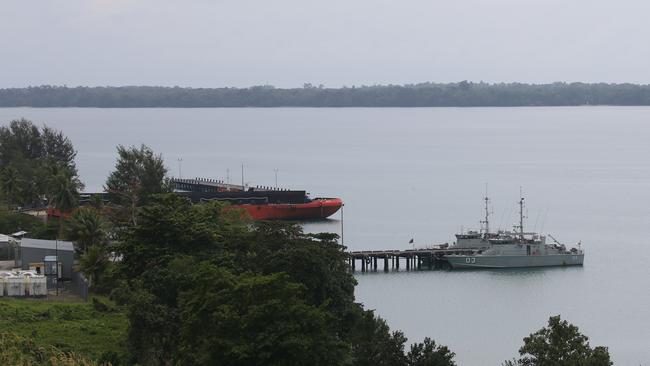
(68, 326)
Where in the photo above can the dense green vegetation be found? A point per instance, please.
(460, 94)
(21, 351)
(11, 222)
(204, 287)
(560, 344)
(37, 167)
(33, 327)
(37, 170)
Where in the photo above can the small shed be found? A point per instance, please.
(32, 253)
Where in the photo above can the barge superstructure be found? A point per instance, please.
(260, 202)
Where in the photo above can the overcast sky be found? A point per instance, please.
(214, 43)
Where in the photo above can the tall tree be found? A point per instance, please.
(429, 353)
(37, 164)
(560, 344)
(10, 184)
(20, 139)
(254, 320)
(139, 173)
(372, 342)
(57, 147)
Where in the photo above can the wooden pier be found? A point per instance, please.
(414, 259)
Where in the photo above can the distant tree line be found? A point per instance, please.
(461, 94)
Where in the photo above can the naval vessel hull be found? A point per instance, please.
(514, 261)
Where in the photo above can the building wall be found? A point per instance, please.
(5, 251)
(36, 255)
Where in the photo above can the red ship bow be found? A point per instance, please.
(318, 208)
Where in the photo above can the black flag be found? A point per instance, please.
(411, 241)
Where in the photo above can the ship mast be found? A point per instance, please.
(521, 215)
(486, 222)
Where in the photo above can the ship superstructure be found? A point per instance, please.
(473, 238)
(512, 249)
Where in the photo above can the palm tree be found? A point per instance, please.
(64, 192)
(87, 228)
(93, 263)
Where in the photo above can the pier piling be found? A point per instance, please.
(415, 259)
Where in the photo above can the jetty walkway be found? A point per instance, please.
(429, 258)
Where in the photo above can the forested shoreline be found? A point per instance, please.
(461, 94)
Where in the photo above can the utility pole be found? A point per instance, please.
(342, 226)
(227, 176)
(56, 263)
(242, 177)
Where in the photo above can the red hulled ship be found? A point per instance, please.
(261, 203)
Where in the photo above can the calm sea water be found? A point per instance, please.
(421, 173)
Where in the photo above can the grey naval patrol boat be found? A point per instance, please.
(511, 249)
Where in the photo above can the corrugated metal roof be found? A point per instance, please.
(4, 238)
(46, 244)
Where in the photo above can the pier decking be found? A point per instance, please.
(429, 258)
